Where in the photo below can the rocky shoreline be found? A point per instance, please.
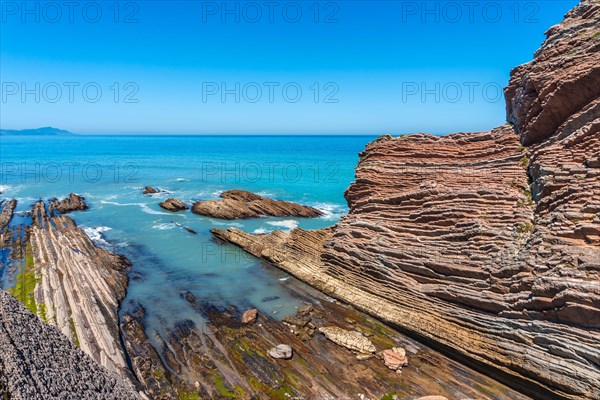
(484, 246)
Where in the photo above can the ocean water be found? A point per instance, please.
(111, 171)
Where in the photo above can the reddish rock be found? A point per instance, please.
(239, 204)
(249, 316)
(395, 358)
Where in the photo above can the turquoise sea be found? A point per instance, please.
(111, 171)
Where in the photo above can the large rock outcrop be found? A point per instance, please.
(38, 362)
(240, 204)
(486, 248)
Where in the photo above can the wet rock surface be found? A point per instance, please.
(38, 362)
(240, 204)
(149, 190)
(226, 358)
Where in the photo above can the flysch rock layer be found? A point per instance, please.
(79, 287)
(447, 238)
(240, 204)
(38, 362)
(8, 209)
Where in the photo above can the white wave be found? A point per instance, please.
(114, 203)
(143, 206)
(5, 188)
(150, 211)
(259, 231)
(288, 223)
(331, 211)
(264, 193)
(284, 279)
(164, 226)
(97, 234)
(182, 180)
(221, 223)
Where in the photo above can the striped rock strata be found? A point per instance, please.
(78, 287)
(240, 204)
(485, 248)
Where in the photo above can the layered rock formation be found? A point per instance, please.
(239, 204)
(78, 287)
(38, 362)
(173, 204)
(8, 209)
(472, 242)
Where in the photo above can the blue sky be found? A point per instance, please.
(185, 67)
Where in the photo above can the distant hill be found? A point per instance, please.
(46, 131)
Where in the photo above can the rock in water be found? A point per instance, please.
(173, 204)
(7, 213)
(240, 204)
(72, 203)
(282, 351)
(351, 340)
(447, 238)
(149, 190)
(395, 358)
(249, 316)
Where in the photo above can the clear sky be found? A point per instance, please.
(356, 67)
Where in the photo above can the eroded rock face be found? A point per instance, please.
(563, 78)
(38, 362)
(240, 204)
(447, 238)
(72, 203)
(173, 204)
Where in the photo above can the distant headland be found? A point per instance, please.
(46, 131)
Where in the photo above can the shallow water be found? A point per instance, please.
(168, 260)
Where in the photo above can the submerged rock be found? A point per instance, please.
(351, 340)
(240, 204)
(281, 351)
(173, 204)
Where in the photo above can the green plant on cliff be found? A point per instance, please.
(525, 227)
(524, 161)
(26, 281)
